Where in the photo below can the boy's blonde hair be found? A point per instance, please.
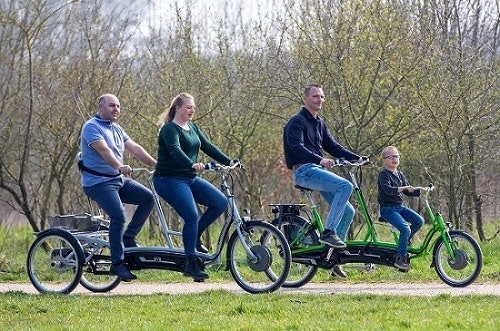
(387, 151)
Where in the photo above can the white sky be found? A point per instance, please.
(212, 10)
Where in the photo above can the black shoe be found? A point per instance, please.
(129, 242)
(337, 271)
(194, 268)
(401, 263)
(200, 248)
(331, 239)
(122, 271)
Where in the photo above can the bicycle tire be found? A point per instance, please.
(300, 274)
(96, 276)
(55, 261)
(465, 268)
(273, 257)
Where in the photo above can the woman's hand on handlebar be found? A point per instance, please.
(199, 167)
(217, 166)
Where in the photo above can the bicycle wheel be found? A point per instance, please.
(55, 262)
(96, 276)
(300, 273)
(465, 267)
(272, 264)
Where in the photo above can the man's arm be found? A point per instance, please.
(337, 150)
(140, 153)
(105, 152)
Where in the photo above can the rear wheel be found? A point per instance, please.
(462, 269)
(96, 276)
(291, 225)
(271, 265)
(55, 262)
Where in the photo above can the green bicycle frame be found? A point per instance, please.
(371, 236)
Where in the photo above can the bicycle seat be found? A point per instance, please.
(286, 208)
(302, 188)
(383, 220)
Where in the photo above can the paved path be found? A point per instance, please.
(138, 288)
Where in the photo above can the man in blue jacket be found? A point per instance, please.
(305, 137)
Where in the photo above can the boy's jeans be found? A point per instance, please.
(399, 217)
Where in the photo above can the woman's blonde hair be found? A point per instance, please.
(169, 113)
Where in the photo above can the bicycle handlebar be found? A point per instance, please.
(149, 171)
(428, 188)
(345, 163)
(213, 166)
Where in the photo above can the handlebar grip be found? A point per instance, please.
(210, 166)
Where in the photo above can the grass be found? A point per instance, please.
(221, 310)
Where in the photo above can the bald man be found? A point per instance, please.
(104, 179)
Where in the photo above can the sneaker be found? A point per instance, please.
(122, 271)
(401, 263)
(129, 242)
(195, 268)
(337, 271)
(331, 239)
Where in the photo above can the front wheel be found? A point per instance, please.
(55, 262)
(269, 269)
(465, 267)
(291, 225)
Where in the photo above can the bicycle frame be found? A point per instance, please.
(258, 255)
(456, 256)
(233, 217)
(371, 235)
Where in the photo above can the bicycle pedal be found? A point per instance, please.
(341, 251)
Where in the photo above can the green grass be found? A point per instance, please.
(220, 310)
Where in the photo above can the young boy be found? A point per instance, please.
(392, 184)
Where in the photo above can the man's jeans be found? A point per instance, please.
(334, 189)
(399, 217)
(183, 194)
(111, 196)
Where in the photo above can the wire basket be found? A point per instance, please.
(78, 222)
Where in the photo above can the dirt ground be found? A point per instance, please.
(139, 288)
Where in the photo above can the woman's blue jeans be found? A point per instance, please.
(110, 196)
(334, 189)
(183, 194)
(399, 217)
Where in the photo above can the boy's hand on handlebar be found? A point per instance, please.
(409, 188)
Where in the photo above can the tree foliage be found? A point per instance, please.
(421, 75)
